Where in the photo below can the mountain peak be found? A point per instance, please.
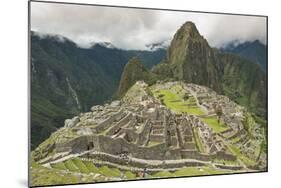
(189, 28)
(133, 71)
(187, 42)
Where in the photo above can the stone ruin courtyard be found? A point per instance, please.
(165, 130)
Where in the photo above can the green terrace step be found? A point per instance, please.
(78, 165)
(130, 175)
(86, 167)
(111, 172)
(91, 167)
(59, 166)
(81, 166)
(164, 174)
(71, 166)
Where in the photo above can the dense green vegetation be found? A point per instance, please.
(254, 51)
(66, 79)
(134, 71)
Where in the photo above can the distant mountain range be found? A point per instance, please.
(254, 51)
(67, 79)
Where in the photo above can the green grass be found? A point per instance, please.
(189, 171)
(235, 139)
(194, 171)
(59, 166)
(42, 176)
(130, 175)
(91, 167)
(236, 151)
(198, 142)
(81, 166)
(109, 172)
(71, 166)
(174, 101)
(249, 123)
(163, 174)
(214, 124)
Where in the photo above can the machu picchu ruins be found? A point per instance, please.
(166, 127)
(175, 108)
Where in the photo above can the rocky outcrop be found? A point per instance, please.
(133, 72)
(71, 122)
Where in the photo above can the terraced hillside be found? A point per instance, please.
(165, 130)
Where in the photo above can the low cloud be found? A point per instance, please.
(135, 28)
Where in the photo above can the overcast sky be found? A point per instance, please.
(134, 28)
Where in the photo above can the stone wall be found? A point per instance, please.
(143, 136)
(119, 124)
(229, 167)
(140, 164)
(193, 154)
(108, 122)
(156, 138)
(118, 146)
(221, 155)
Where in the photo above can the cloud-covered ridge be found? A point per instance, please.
(136, 28)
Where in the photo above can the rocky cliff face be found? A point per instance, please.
(192, 59)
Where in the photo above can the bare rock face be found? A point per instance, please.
(71, 122)
(192, 59)
(96, 108)
(115, 103)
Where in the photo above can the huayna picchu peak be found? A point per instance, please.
(190, 58)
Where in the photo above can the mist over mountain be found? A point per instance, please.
(254, 51)
(159, 45)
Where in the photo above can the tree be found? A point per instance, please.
(218, 111)
(185, 97)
